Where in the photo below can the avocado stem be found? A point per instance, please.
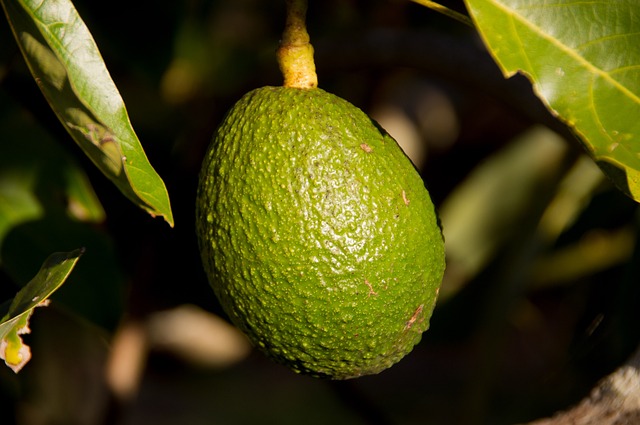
(295, 54)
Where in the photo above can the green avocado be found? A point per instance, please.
(317, 233)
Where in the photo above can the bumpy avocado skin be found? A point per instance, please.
(317, 233)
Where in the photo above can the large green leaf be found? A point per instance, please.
(69, 70)
(15, 314)
(583, 58)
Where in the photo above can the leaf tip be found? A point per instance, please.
(169, 221)
(168, 218)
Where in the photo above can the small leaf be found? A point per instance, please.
(15, 321)
(584, 63)
(69, 69)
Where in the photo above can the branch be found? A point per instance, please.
(614, 401)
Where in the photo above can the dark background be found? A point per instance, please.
(516, 338)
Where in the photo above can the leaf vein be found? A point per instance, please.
(609, 37)
(594, 111)
(569, 51)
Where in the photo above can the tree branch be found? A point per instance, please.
(614, 401)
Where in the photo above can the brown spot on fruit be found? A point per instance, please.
(371, 291)
(404, 198)
(366, 148)
(414, 317)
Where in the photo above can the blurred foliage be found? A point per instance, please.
(540, 298)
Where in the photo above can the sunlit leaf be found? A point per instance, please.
(584, 62)
(16, 313)
(69, 70)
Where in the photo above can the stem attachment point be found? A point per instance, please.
(295, 54)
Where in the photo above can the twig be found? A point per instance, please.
(614, 401)
(445, 11)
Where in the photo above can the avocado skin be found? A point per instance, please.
(317, 234)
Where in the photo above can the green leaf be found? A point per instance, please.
(15, 321)
(584, 62)
(69, 69)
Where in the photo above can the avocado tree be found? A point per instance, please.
(521, 117)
